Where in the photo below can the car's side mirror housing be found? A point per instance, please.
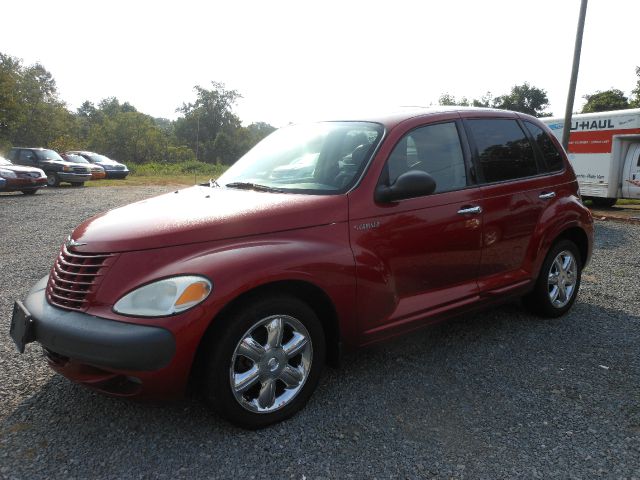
(414, 183)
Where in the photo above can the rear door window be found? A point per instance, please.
(552, 157)
(503, 150)
(26, 156)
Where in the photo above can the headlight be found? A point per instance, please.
(165, 297)
(7, 173)
(66, 168)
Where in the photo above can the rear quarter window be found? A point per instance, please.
(552, 157)
(503, 150)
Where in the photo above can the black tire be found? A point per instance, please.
(53, 180)
(29, 192)
(77, 184)
(223, 343)
(539, 301)
(603, 202)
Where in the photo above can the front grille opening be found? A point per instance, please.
(74, 276)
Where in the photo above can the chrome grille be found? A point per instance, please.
(74, 277)
(81, 170)
(28, 175)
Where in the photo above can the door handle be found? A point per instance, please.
(470, 210)
(547, 195)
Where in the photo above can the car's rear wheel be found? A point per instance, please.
(558, 282)
(265, 361)
(53, 180)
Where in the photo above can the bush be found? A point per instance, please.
(192, 167)
(180, 154)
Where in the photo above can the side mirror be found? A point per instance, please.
(414, 183)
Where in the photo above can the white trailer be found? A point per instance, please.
(604, 150)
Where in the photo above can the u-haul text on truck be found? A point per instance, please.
(604, 150)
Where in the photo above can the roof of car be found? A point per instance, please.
(30, 148)
(393, 116)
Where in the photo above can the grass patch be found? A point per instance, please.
(185, 173)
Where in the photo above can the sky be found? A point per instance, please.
(294, 61)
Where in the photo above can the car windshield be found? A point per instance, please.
(48, 155)
(4, 161)
(75, 158)
(319, 158)
(100, 158)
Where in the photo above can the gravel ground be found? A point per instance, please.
(494, 395)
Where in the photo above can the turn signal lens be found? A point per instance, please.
(193, 294)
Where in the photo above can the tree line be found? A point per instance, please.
(32, 114)
(534, 101)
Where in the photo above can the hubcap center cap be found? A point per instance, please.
(273, 364)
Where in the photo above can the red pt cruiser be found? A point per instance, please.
(324, 236)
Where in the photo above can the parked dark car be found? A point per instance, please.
(56, 168)
(248, 285)
(112, 168)
(97, 172)
(15, 178)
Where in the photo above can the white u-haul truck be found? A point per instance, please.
(604, 150)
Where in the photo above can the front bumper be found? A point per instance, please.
(18, 184)
(74, 177)
(96, 341)
(117, 173)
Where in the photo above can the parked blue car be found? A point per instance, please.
(112, 168)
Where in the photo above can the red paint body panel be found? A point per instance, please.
(386, 268)
(203, 214)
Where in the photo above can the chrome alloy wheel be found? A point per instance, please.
(271, 363)
(562, 279)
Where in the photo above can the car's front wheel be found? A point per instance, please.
(558, 282)
(52, 179)
(265, 361)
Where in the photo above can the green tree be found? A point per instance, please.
(30, 111)
(128, 136)
(524, 98)
(485, 101)
(448, 100)
(11, 110)
(635, 100)
(204, 119)
(612, 99)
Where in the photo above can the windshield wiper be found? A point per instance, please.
(253, 186)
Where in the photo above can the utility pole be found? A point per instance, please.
(574, 76)
(197, 135)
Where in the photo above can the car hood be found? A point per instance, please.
(65, 163)
(202, 214)
(18, 168)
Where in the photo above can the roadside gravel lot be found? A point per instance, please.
(495, 395)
